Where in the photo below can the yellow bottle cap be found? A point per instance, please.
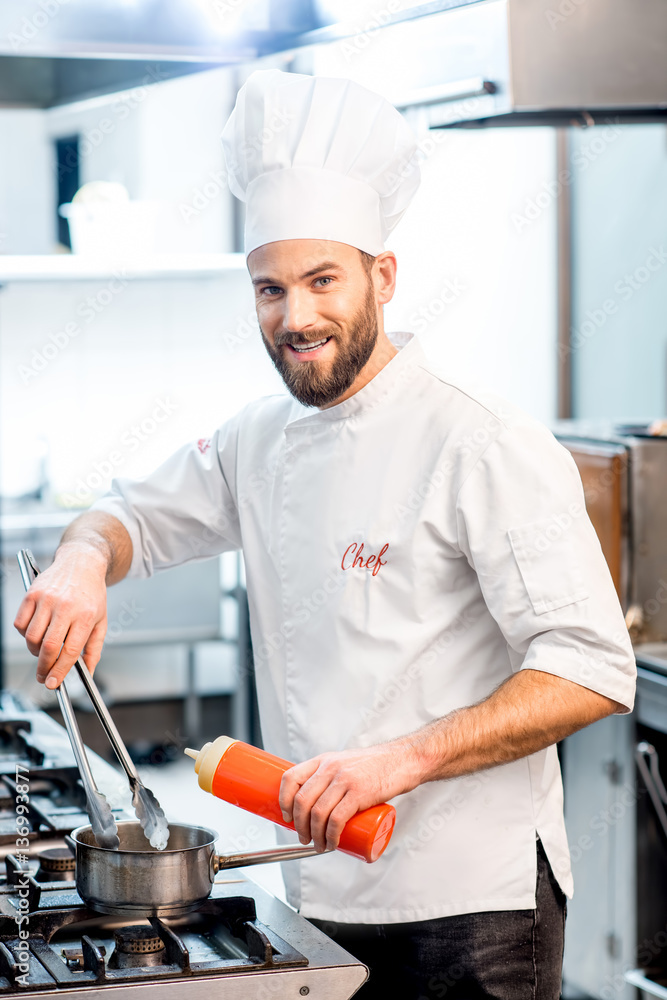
(207, 759)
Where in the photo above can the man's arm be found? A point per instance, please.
(65, 610)
(528, 712)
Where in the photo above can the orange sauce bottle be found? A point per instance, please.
(250, 778)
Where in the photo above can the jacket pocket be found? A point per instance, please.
(549, 564)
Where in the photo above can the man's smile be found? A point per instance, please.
(308, 352)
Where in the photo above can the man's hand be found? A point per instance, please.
(323, 793)
(65, 610)
(528, 712)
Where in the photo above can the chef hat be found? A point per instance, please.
(318, 158)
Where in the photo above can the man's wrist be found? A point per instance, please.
(93, 548)
(430, 753)
(417, 761)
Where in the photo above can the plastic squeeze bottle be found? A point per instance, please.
(250, 778)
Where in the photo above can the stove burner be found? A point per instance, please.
(138, 940)
(137, 945)
(57, 864)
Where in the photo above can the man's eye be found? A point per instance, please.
(271, 290)
(327, 279)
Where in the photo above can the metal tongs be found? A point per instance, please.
(147, 808)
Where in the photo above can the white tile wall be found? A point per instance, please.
(476, 279)
(27, 184)
(619, 335)
(186, 347)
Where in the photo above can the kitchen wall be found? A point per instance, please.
(148, 363)
(476, 278)
(619, 329)
(27, 191)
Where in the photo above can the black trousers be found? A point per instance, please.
(500, 955)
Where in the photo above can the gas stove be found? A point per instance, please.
(242, 943)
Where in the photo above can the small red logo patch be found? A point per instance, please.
(354, 558)
(204, 444)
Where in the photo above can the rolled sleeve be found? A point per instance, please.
(523, 526)
(185, 510)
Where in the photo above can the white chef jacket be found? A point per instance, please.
(407, 550)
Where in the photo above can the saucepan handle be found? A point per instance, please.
(290, 852)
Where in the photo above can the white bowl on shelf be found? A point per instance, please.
(108, 229)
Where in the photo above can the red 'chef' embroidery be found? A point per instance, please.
(354, 554)
(204, 444)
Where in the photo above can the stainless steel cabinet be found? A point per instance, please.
(600, 814)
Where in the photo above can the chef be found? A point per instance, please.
(430, 607)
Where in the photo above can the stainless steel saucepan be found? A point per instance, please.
(136, 879)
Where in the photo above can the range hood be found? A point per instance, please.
(57, 51)
(517, 62)
(455, 63)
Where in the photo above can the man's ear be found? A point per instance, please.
(384, 276)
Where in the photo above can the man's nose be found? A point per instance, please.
(299, 311)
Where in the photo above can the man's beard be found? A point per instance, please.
(308, 381)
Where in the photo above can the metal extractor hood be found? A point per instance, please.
(464, 63)
(57, 51)
(519, 62)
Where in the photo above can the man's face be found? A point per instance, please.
(317, 313)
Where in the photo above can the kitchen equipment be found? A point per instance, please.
(241, 942)
(505, 61)
(97, 807)
(36, 749)
(143, 882)
(648, 967)
(250, 778)
(147, 808)
(517, 62)
(619, 847)
(625, 483)
(648, 765)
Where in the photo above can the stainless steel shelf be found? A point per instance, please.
(73, 267)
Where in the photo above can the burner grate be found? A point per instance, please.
(72, 946)
(13, 955)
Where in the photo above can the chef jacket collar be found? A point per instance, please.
(401, 367)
